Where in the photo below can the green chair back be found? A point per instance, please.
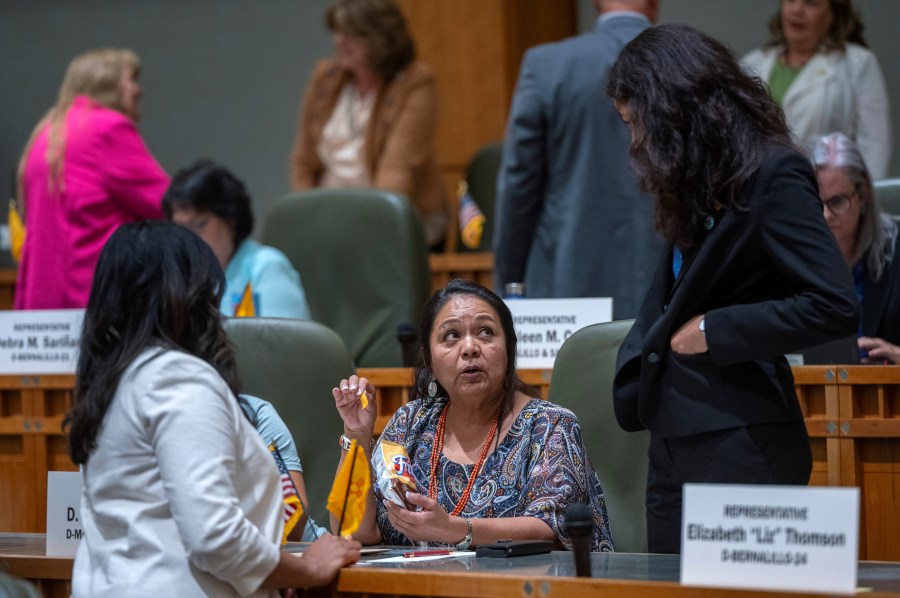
(11, 587)
(582, 381)
(887, 192)
(294, 364)
(362, 257)
(481, 177)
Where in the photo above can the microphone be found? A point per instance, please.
(580, 526)
(407, 334)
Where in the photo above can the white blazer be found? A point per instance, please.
(836, 91)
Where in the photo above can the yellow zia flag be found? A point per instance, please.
(347, 499)
(16, 231)
(246, 308)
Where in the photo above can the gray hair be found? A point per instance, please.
(877, 231)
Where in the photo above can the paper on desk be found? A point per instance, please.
(418, 559)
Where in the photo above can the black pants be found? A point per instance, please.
(759, 454)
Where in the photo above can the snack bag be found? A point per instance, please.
(393, 473)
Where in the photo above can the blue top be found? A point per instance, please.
(277, 290)
(538, 469)
(273, 430)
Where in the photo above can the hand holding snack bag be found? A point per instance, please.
(393, 473)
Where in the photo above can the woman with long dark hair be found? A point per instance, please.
(181, 497)
(752, 272)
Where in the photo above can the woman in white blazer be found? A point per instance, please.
(820, 71)
(181, 496)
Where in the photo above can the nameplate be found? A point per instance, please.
(64, 530)
(40, 341)
(770, 537)
(542, 325)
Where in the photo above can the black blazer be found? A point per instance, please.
(770, 280)
(881, 302)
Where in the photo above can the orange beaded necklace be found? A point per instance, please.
(436, 459)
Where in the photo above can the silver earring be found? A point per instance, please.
(432, 388)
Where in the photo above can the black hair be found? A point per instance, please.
(700, 125)
(209, 187)
(156, 284)
(456, 287)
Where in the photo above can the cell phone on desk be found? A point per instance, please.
(506, 548)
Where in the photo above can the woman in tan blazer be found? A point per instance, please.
(369, 114)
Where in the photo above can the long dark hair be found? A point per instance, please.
(846, 26)
(700, 125)
(423, 375)
(209, 187)
(156, 284)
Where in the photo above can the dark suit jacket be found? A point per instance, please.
(770, 280)
(570, 221)
(881, 302)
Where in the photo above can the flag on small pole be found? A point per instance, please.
(16, 231)
(471, 218)
(246, 308)
(293, 507)
(347, 499)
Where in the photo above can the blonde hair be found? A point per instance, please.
(96, 74)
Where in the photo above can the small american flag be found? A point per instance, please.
(293, 509)
(471, 218)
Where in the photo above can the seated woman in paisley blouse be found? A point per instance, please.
(507, 465)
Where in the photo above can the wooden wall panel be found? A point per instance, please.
(475, 47)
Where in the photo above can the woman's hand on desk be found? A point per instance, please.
(359, 421)
(316, 567)
(879, 350)
(431, 524)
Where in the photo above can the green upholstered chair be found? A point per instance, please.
(11, 587)
(887, 192)
(481, 178)
(582, 381)
(362, 257)
(294, 364)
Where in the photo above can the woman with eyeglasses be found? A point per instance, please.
(867, 239)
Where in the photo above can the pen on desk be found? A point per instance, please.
(439, 552)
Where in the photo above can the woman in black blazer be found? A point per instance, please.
(751, 273)
(867, 239)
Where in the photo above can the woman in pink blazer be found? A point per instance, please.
(84, 172)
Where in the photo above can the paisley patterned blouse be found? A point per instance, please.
(538, 469)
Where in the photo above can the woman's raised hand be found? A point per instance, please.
(359, 421)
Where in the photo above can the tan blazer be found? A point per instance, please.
(399, 144)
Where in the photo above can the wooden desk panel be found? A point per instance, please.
(852, 414)
(538, 576)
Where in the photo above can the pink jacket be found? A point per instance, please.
(110, 179)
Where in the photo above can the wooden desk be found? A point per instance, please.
(852, 415)
(539, 576)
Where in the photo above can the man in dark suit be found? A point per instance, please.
(570, 219)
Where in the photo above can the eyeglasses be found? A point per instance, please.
(840, 203)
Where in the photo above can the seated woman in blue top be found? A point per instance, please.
(273, 430)
(208, 199)
(867, 239)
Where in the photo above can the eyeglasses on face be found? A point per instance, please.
(840, 203)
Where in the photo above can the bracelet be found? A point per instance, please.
(345, 443)
(467, 541)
